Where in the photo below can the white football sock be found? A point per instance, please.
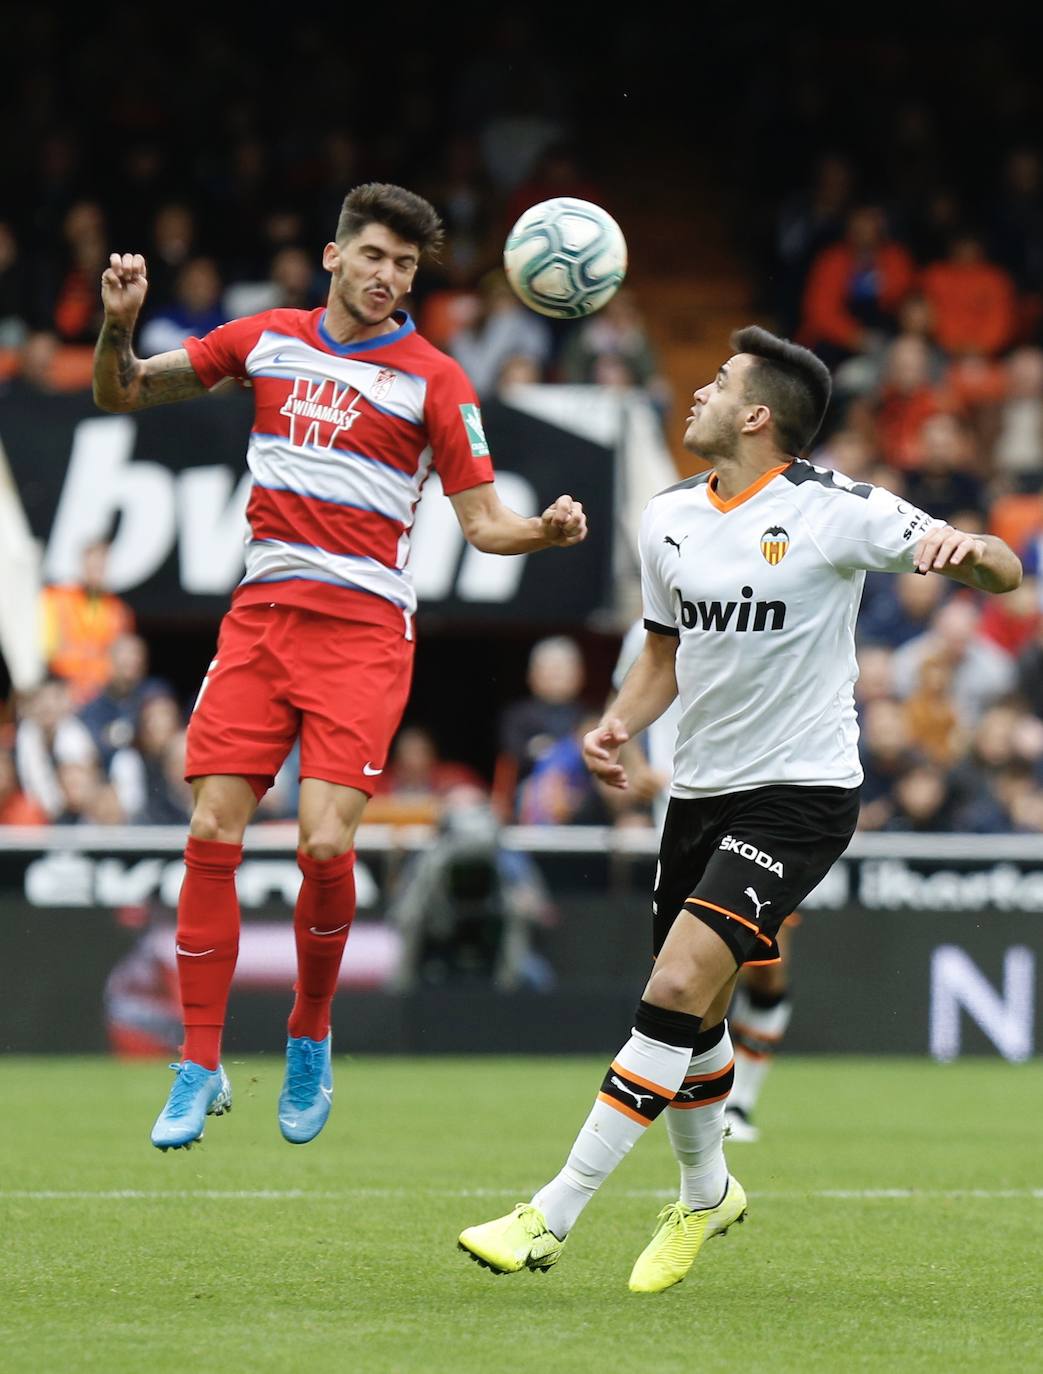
(758, 1034)
(695, 1124)
(642, 1079)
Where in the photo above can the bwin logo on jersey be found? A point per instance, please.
(719, 615)
(774, 543)
(750, 851)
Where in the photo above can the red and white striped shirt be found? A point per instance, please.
(343, 439)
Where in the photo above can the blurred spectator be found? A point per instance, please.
(1030, 672)
(899, 608)
(887, 753)
(931, 715)
(503, 329)
(48, 738)
(81, 622)
(616, 331)
(112, 716)
(941, 484)
(1018, 445)
(519, 371)
(36, 366)
(854, 289)
(1018, 218)
(293, 284)
(15, 807)
(149, 775)
(1011, 621)
(922, 801)
(194, 309)
(416, 781)
(808, 222)
(907, 399)
(15, 307)
(86, 798)
(560, 790)
(557, 172)
(981, 672)
(529, 728)
(173, 242)
(77, 306)
(875, 679)
(972, 300)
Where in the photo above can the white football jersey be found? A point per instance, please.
(763, 591)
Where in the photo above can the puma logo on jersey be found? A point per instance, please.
(638, 1097)
(731, 845)
(674, 542)
(749, 892)
(718, 615)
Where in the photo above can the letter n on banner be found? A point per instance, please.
(1007, 1018)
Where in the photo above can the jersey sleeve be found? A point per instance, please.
(655, 594)
(223, 352)
(454, 426)
(869, 527)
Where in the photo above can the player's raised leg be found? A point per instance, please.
(329, 817)
(207, 947)
(641, 1082)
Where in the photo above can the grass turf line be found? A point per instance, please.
(367, 1278)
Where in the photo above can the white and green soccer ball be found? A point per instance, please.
(565, 258)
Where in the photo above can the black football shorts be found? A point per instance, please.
(741, 863)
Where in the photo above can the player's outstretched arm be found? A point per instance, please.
(493, 528)
(977, 560)
(648, 689)
(123, 382)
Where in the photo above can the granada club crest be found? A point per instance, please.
(774, 543)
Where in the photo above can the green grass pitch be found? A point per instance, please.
(896, 1218)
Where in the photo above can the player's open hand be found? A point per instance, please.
(601, 748)
(946, 547)
(123, 286)
(564, 523)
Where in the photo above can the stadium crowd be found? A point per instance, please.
(920, 283)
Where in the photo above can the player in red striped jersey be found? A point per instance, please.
(352, 412)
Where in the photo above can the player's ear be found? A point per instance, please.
(331, 257)
(755, 419)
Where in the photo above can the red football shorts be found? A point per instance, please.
(280, 672)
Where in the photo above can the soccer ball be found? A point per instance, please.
(565, 258)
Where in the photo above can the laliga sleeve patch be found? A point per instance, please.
(472, 417)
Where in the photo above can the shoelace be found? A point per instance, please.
(304, 1067)
(182, 1094)
(671, 1215)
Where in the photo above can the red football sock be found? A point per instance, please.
(207, 944)
(321, 922)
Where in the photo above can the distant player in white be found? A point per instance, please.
(760, 1012)
(752, 576)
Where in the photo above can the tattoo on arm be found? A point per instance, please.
(168, 377)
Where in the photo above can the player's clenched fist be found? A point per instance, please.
(565, 522)
(601, 748)
(123, 286)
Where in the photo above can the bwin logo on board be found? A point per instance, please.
(732, 615)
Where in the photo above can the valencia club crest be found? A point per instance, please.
(774, 543)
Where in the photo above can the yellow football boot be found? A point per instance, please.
(520, 1240)
(679, 1236)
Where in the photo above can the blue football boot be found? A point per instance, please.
(307, 1091)
(197, 1093)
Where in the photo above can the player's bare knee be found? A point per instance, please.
(321, 847)
(209, 823)
(669, 987)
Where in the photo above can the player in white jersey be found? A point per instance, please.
(759, 1015)
(751, 578)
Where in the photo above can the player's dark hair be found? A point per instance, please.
(409, 216)
(790, 380)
